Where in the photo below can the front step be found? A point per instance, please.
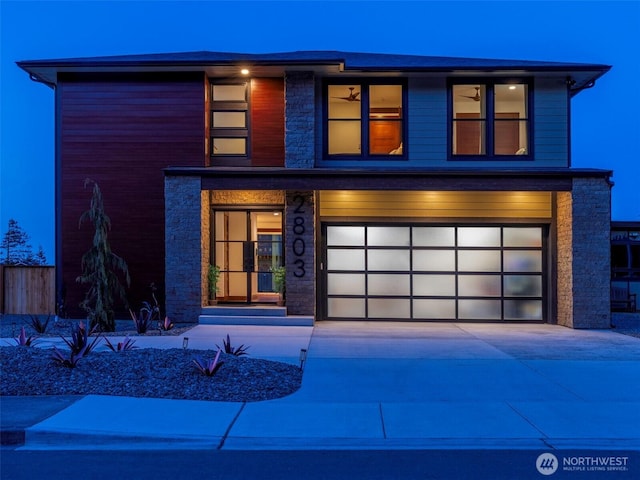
(252, 315)
(242, 311)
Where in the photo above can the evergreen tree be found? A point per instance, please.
(18, 250)
(99, 267)
(40, 258)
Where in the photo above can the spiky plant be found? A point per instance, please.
(208, 367)
(228, 348)
(99, 267)
(125, 344)
(24, 340)
(166, 325)
(79, 341)
(38, 324)
(71, 361)
(142, 321)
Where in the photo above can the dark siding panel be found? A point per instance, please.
(122, 134)
(267, 122)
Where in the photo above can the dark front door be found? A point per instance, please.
(247, 247)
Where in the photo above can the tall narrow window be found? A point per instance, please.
(229, 122)
(365, 120)
(490, 120)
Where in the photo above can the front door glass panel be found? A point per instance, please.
(247, 248)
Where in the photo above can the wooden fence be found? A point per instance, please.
(27, 290)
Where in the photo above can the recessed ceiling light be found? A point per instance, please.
(244, 71)
(512, 87)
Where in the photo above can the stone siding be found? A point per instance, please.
(565, 259)
(583, 249)
(247, 197)
(184, 225)
(299, 120)
(299, 253)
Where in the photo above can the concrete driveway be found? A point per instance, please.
(393, 385)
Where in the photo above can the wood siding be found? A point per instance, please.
(121, 133)
(431, 204)
(551, 135)
(27, 290)
(267, 122)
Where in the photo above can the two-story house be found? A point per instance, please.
(391, 187)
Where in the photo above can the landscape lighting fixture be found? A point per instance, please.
(185, 342)
(303, 357)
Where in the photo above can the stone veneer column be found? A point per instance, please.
(299, 253)
(583, 249)
(299, 221)
(299, 120)
(186, 221)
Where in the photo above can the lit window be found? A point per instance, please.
(490, 119)
(229, 127)
(365, 120)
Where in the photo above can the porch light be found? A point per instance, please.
(244, 71)
(512, 87)
(185, 342)
(303, 357)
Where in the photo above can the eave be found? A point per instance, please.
(226, 178)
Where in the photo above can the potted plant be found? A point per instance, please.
(279, 280)
(213, 277)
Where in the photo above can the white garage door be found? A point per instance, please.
(425, 272)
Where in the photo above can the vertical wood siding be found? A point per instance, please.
(28, 290)
(267, 122)
(121, 133)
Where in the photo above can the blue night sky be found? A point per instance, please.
(605, 119)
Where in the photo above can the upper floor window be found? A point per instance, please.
(365, 119)
(490, 119)
(229, 120)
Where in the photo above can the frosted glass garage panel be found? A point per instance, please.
(479, 309)
(479, 261)
(389, 308)
(522, 237)
(522, 261)
(434, 285)
(388, 285)
(338, 259)
(523, 310)
(478, 236)
(388, 236)
(345, 284)
(479, 285)
(522, 286)
(393, 260)
(434, 309)
(346, 307)
(345, 236)
(434, 236)
(434, 260)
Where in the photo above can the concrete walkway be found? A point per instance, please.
(382, 386)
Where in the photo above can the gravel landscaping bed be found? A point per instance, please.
(141, 372)
(148, 372)
(10, 326)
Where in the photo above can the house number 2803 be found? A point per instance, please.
(297, 230)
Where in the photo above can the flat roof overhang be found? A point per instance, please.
(229, 178)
